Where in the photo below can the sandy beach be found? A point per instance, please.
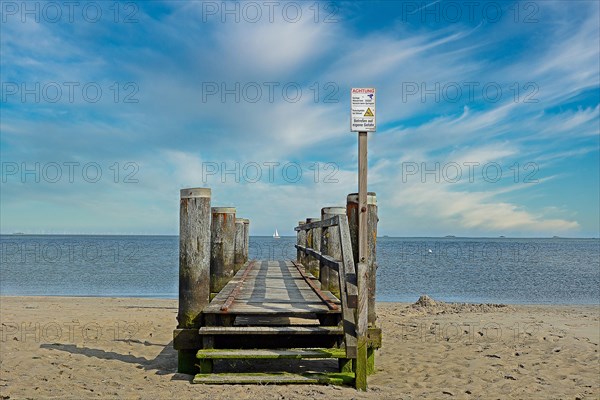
(57, 347)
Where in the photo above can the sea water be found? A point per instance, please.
(498, 270)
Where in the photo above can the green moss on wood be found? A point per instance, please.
(189, 319)
(334, 378)
(374, 337)
(370, 361)
(270, 354)
(361, 364)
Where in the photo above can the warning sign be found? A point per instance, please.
(362, 114)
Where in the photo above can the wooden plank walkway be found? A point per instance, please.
(273, 287)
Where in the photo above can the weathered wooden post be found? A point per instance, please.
(301, 241)
(194, 266)
(222, 247)
(331, 245)
(372, 220)
(371, 261)
(313, 240)
(246, 222)
(240, 242)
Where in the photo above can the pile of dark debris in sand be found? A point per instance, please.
(430, 306)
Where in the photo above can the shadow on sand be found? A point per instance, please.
(164, 363)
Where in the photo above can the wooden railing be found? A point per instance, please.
(353, 290)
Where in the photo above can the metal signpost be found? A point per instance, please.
(362, 121)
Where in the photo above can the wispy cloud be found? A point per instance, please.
(548, 114)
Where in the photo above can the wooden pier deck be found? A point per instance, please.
(272, 288)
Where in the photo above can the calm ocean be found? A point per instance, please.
(502, 270)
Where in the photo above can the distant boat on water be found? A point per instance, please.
(18, 233)
(276, 234)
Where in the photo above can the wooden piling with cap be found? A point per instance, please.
(301, 241)
(222, 247)
(372, 220)
(240, 242)
(246, 222)
(194, 265)
(331, 245)
(352, 204)
(313, 240)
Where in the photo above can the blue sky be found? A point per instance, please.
(158, 96)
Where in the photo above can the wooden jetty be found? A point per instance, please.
(319, 306)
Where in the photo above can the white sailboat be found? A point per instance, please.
(276, 234)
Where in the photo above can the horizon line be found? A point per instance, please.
(289, 236)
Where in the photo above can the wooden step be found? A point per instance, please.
(270, 353)
(333, 378)
(271, 330)
(275, 320)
